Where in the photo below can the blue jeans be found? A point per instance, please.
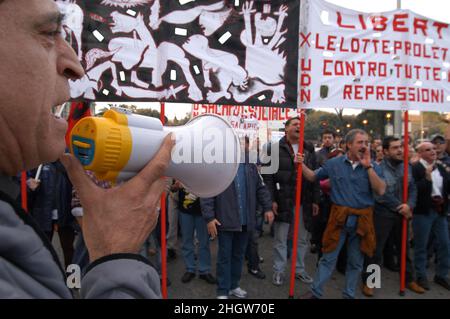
(423, 226)
(188, 224)
(230, 258)
(355, 261)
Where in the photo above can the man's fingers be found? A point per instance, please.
(156, 189)
(156, 168)
(77, 175)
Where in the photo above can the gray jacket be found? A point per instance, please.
(29, 267)
(387, 204)
(224, 207)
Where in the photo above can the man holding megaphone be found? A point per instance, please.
(36, 59)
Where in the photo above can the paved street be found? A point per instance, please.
(264, 289)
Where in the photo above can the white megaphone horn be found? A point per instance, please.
(118, 145)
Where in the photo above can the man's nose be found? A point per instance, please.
(68, 63)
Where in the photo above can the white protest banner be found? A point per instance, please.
(395, 60)
(250, 121)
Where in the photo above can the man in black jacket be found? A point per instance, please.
(230, 216)
(432, 182)
(282, 187)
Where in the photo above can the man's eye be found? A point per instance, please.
(54, 33)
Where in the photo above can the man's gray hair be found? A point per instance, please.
(350, 137)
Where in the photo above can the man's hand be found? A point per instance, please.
(212, 228)
(404, 210)
(299, 158)
(119, 219)
(365, 160)
(33, 184)
(315, 210)
(428, 172)
(275, 208)
(268, 217)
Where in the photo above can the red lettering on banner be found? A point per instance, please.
(362, 22)
(339, 22)
(390, 93)
(369, 91)
(305, 95)
(386, 49)
(347, 92)
(420, 24)
(318, 46)
(305, 39)
(380, 93)
(325, 63)
(305, 79)
(358, 95)
(399, 23)
(439, 26)
(372, 69)
(264, 117)
(408, 46)
(401, 94)
(331, 43)
(379, 22)
(305, 66)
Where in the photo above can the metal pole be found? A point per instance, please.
(298, 205)
(163, 229)
(23, 190)
(405, 201)
(398, 114)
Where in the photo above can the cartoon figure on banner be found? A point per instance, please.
(264, 61)
(229, 75)
(124, 3)
(211, 17)
(225, 66)
(72, 26)
(91, 82)
(134, 53)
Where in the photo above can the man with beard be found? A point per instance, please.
(354, 178)
(389, 211)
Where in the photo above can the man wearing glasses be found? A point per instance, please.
(430, 215)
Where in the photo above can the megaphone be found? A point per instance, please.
(118, 145)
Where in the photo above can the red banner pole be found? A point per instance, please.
(163, 228)
(405, 201)
(297, 206)
(23, 190)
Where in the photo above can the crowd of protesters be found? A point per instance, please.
(351, 215)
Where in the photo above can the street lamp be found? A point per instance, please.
(348, 125)
(365, 122)
(388, 116)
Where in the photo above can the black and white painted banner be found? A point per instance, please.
(205, 51)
